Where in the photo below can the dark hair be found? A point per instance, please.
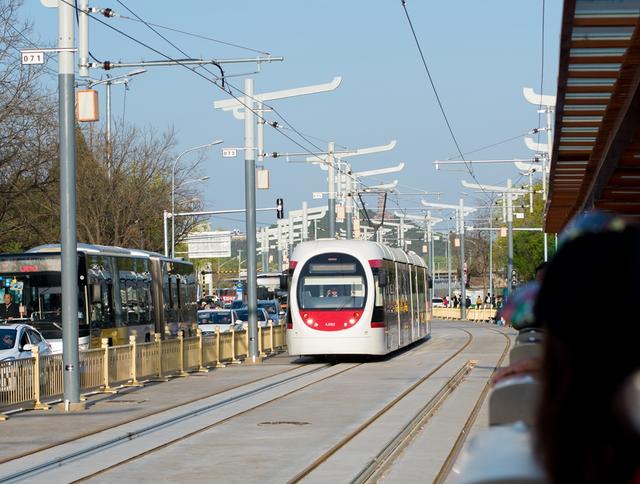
(582, 432)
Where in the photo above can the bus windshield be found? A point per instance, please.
(332, 281)
(34, 284)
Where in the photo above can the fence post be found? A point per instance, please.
(181, 340)
(233, 346)
(157, 338)
(260, 348)
(106, 388)
(201, 367)
(219, 364)
(133, 373)
(38, 405)
(273, 348)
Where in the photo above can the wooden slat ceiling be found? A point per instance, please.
(596, 149)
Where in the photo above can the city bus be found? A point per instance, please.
(121, 292)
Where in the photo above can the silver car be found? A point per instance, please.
(16, 341)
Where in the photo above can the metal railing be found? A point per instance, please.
(26, 382)
(473, 314)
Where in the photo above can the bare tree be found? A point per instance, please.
(28, 141)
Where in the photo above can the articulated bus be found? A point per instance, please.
(121, 292)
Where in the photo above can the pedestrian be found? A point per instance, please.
(478, 302)
(578, 391)
(467, 302)
(9, 309)
(445, 302)
(455, 301)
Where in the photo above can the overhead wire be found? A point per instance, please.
(435, 91)
(229, 90)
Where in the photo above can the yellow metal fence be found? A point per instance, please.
(473, 314)
(24, 383)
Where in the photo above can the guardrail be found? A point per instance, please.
(473, 314)
(26, 382)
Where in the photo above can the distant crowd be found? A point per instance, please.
(488, 302)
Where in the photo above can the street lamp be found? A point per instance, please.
(108, 82)
(173, 188)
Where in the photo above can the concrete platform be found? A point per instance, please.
(273, 442)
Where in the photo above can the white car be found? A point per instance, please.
(437, 302)
(210, 319)
(263, 318)
(16, 341)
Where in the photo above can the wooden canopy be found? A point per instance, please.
(596, 149)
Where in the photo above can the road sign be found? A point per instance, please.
(317, 195)
(30, 57)
(209, 244)
(229, 152)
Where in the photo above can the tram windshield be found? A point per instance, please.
(332, 281)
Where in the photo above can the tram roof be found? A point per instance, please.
(596, 148)
(368, 249)
(98, 249)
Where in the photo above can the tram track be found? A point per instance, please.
(142, 416)
(361, 428)
(83, 452)
(453, 454)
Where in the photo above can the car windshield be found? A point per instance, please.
(237, 304)
(7, 338)
(214, 317)
(268, 307)
(243, 315)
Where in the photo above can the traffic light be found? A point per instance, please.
(279, 208)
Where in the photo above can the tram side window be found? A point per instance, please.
(144, 298)
(421, 296)
(389, 292)
(100, 307)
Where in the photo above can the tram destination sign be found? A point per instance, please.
(205, 245)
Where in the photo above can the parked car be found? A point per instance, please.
(210, 319)
(237, 304)
(272, 307)
(263, 317)
(16, 341)
(437, 302)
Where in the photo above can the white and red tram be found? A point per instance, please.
(355, 297)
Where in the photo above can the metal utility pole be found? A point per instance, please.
(508, 193)
(349, 203)
(265, 250)
(461, 210)
(463, 275)
(245, 109)
(331, 177)
(328, 161)
(68, 241)
(250, 220)
(305, 221)
(449, 265)
(509, 196)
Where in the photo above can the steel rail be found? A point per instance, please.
(140, 417)
(380, 463)
(126, 437)
(344, 441)
(445, 469)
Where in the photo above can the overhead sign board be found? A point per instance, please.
(229, 152)
(203, 245)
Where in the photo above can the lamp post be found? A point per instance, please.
(173, 189)
(108, 82)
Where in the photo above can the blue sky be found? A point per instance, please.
(480, 54)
